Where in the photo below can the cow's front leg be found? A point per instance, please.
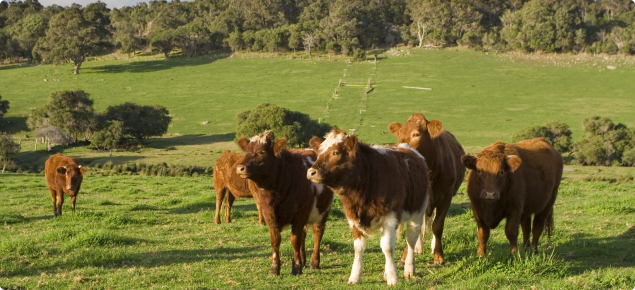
(388, 234)
(483, 236)
(359, 244)
(54, 199)
(60, 202)
(274, 232)
(511, 231)
(297, 242)
(73, 202)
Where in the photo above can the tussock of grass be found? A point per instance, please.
(93, 238)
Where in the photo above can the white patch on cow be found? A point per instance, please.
(405, 145)
(262, 138)
(358, 263)
(330, 140)
(316, 216)
(308, 161)
(387, 242)
(319, 188)
(380, 149)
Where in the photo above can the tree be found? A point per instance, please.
(4, 107)
(8, 148)
(235, 40)
(140, 121)
(296, 126)
(604, 142)
(556, 133)
(108, 137)
(308, 40)
(53, 135)
(71, 111)
(191, 37)
(421, 14)
(28, 31)
(75, 34)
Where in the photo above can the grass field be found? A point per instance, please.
(157, 232)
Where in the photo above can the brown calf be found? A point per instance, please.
(443, 156)
(228, 183)
(514, 181)
(380, 188)
(286, 196)
(63, 175)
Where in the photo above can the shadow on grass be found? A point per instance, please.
(154, 65)
(116, 160)
(197, 139)
(458, 209)
(194, 208)
(590, 253)
(13, 125)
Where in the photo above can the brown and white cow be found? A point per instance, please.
(63, 175)
(443, 156)
(514, 181)
(228, 183)
(379, 188)
(286, 196)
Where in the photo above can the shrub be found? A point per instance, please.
(296, 126)
(140, 121)
(8, 148)
(604, 143)
(556, 133)
(359, 54)
(108, 137)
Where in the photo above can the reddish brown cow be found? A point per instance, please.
(443, 156)
(63, 175)
(514, 181)
(228, 183)
(286, 196)
(380, 188)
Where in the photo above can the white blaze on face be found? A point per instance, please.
(331, 139)
(262, 138)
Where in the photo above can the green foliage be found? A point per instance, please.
(108, 137)
(140, 121)
(359, 54)
(296, 126)
(556, 133)
(604, 143)
(4, 107)
(71, 111)
(8, 148)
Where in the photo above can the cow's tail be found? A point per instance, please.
(549, 226)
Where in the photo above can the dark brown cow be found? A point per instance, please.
(63, 175)
(228, 183)
(443, 156)
(286, 196)
(514, 181)
(380, 188)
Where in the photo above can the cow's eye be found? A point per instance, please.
(335, 153)
(415, 134)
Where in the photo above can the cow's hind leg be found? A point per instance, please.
(388, 234)
(412, 235)
(540, 221)
(318, 232)
(220, 196)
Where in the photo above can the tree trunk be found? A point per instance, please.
(77, 66)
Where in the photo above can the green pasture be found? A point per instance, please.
(158, 233)
(480, 98)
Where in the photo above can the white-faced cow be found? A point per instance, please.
(380, 188)
(443, 156)
(286, 196)
(228, 183)
(63, 176)
(514, 181)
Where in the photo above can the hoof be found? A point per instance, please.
(297, 270)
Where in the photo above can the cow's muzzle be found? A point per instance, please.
(314, 175)
(241, 170)
(490, 195)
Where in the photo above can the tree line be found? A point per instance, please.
(55, 34)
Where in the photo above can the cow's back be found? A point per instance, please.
(541, 169)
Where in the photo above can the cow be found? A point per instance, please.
(514, 181)
(63, 175)
(443, 156)
(286, 196)
(228, 183)
(379, 188)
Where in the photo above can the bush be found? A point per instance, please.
(556, 133)
(108, 137)
(8, 148)
(4, 106)
(71, 111)
(359, 54)
(140, 121)
(604, 143)
(296, 126)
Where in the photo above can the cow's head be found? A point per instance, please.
(336, 155)
(416, 131)
(73, 176)
(491, 171)
(261, 155)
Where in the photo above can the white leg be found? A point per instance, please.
(388, 233)
(412, 235)
(427, 224)
(358, 264)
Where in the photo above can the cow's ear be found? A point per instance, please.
(61, 170)
(469, 161)
(351, 144)
(394, 128)
(243, 142)
(82, 170)
(434, 127)
(315, 143)
(279, 146)
(514, 162)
